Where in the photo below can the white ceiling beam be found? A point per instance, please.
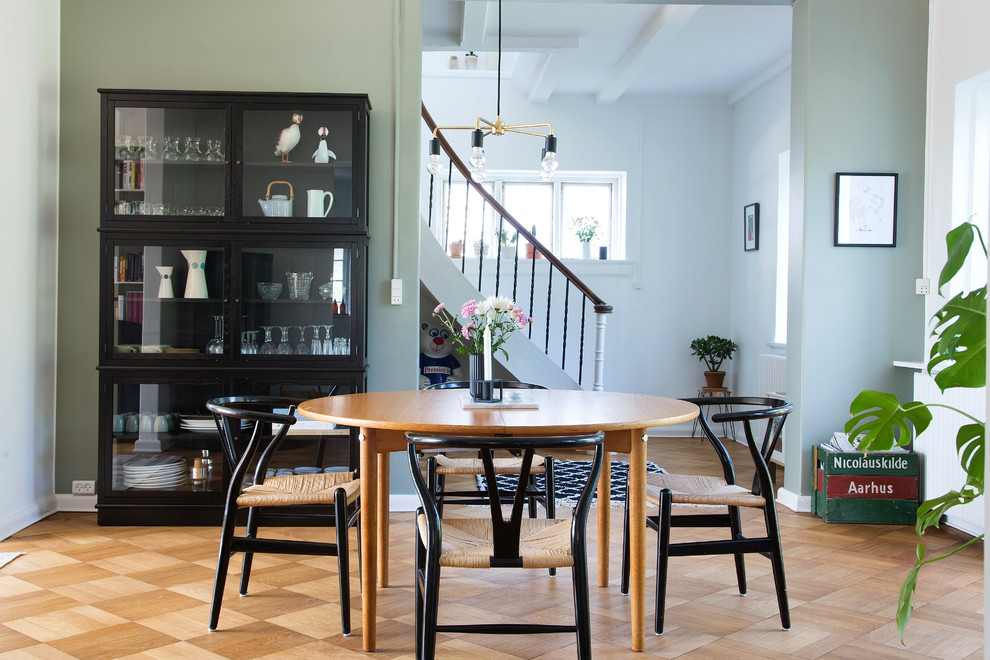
(474, 20)
(662, 26)
(548, 72)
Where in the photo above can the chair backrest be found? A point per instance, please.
(747, 410)
(463, 385)
(505, 533)
(257, 411)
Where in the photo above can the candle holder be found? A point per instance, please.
(482, 388)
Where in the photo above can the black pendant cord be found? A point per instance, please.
(498, 85)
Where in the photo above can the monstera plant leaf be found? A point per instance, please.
(971, 444)
(876, 415)
(958, 243)
(959, 355)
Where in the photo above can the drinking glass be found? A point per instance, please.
(215, 345)
(302, 348)
(284, 348)
(328, 342)
(315, 346)
(123, 147)
(213, 153)
(171, 151)
(268, 348)
(192, 152)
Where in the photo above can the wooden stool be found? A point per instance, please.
(728, 431)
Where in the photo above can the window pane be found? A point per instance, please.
(532, 205)
(473, 215)
(592, 203)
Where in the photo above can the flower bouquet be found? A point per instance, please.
(497, 313)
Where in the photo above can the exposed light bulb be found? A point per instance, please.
(478, 174)
(549, 162)
(433, 165)
(545, 175)
(477, 158)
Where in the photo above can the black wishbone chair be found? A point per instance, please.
(495, 542)
(250, 416)
(666, 490)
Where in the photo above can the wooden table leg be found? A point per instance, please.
(637, 540)
(604, 511)
(369, 537)
(383, 474)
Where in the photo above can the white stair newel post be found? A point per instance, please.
(599, 383)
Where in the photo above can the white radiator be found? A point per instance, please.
(773, 374)
(940, 469)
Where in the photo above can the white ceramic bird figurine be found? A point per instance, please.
(322, 154)
(288, 138)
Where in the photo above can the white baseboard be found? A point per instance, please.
(15, 521)
(76, 503)
(793, 501)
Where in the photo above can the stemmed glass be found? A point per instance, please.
(215, 345)
(213, 153)
(248, 347)
(171, 151)
(268, 348)
(315, 347)
(328, 342)
(192, 152)
(302, 348)
(284, 348)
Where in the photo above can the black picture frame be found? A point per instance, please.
(865, 209)
(751, 227)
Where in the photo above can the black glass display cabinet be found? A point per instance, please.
(233, 236)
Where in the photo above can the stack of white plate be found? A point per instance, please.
(155, 472)
(202, 424)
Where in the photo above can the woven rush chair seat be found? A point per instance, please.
(300, 489)
(469, 542)
(510, 465)
(694, 489)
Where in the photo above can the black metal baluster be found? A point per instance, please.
(515, 269)
(563, 343)
(546, 343)
(429, 215)
(584, 306)
(498, 252)
(481, 254)
(532, 286)
(464, 237)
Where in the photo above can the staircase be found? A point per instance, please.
(557, 350)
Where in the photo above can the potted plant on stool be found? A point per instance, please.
(713, 350)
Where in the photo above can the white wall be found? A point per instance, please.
(29, 171)
(678, 156)
(858, 104)
(760, 131)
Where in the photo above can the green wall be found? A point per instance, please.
(235, 45)
(858, 105)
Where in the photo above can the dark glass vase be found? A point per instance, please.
(476, 375)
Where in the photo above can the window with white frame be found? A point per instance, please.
(550, 210)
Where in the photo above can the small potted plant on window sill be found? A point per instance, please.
(480, 248)
(713, 350)
(456, 249)
(586, 230)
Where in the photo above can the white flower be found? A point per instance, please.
(500, 303)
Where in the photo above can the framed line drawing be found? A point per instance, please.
(865, 210)
(751, 227)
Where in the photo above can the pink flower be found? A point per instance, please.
(437, 309)
(467, 331)
(469, 308)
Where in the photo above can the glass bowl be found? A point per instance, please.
(269, 290)
(326, 290)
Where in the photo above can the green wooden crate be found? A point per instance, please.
(876, 488)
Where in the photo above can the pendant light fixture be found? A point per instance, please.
(483, 127)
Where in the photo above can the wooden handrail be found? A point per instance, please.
(601, 307)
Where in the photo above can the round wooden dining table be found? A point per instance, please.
(385, 417)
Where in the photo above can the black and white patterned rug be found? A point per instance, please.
(570, 477)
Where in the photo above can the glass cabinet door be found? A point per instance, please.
(296, 303)
(164, 439)
(297, 164)
(169, 161)
(167, 300)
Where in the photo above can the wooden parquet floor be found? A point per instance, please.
(85, 591)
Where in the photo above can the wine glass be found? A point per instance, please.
(328, 342)
(268, 348)
(247, 347)
(215, 345)
(171, 151)
(316, 347)
(284, 348)
(213, 153)
(192, 152)
(302, 348)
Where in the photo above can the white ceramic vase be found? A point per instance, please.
(165, 285)
(585, 250)
(196, 277)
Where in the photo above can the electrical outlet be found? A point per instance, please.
(922, 286)
(396, 291)
(83, 487)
